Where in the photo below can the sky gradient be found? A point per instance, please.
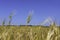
(42, 9)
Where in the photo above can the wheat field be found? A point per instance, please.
(29, 33)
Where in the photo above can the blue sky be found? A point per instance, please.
(42, 9)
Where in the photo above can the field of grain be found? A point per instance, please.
(29, 33)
